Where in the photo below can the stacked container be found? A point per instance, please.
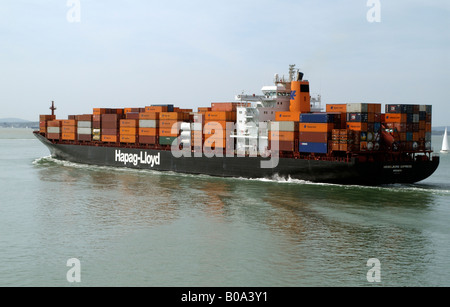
(215, 130)
(410, 125)
(198, 122)
(128, 130)
(286, 133)
(43, 120)
(366, 119)
(54, 129)
(315, 131)
(84, 127)
(148, 127)
(110, 127)
(169, 126)
(69, 130)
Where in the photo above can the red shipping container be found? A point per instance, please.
(146, 139)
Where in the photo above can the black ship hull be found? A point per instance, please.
(350, 171)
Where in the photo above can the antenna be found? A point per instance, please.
(53, 108)
(291, 72)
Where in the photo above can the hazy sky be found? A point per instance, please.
(190, 53)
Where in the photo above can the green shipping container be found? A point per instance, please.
(166, 140)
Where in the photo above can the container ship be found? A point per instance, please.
(284, 132)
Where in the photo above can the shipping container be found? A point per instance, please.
(84, 124)
(148, 123)
(149, 115)
(283, 125)
(220, 116)
(357, 107)
(342, 108)
(109, 138)
(46, 117)
(287, 116)
(224, 106)
(128, 130)
(132, 115)
(53, 136)
(84, 130)
(128, 123)
(168, 132)
(317, 118)
(309, 127)
(84, 137)
(357, 126)
(306, 147)
(110, 131)
(53, 130)
(359, 117)
(126, 138)
(315, 137)
(172, 116)
(283, 135)
(147, 139)
(148, 131)
(167, 140)
(68, 129)
(68, 136)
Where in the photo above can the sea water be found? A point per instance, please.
(147, 228)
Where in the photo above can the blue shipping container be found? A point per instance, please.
(317, 118)
(313, 147)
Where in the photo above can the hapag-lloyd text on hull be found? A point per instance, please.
(142, 158)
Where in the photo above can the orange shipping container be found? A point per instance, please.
(357, 126)
(69, 129)
(157, 109)
(287, 116)
(69, 136)
(395, 118)
(167, 132)
(283, 135)
(128, 138)
(203, 110)
(128, 123)
(109, 138)
(148, 131)
(310, 127)
(149, 115)
(169, 124)
(128, 130)
(337, 108)
(172, 116)
(54, 123)
(220, 116)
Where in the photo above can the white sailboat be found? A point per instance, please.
(445, 147)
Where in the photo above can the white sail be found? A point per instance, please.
(445, 147)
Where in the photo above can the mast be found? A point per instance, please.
(53, 108)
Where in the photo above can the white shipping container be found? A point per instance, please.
(283, 126)
(84, 124)
(53, 130)
(148, 123)
(84, 130)
(357, 108)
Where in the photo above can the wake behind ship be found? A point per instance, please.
(283, 132)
